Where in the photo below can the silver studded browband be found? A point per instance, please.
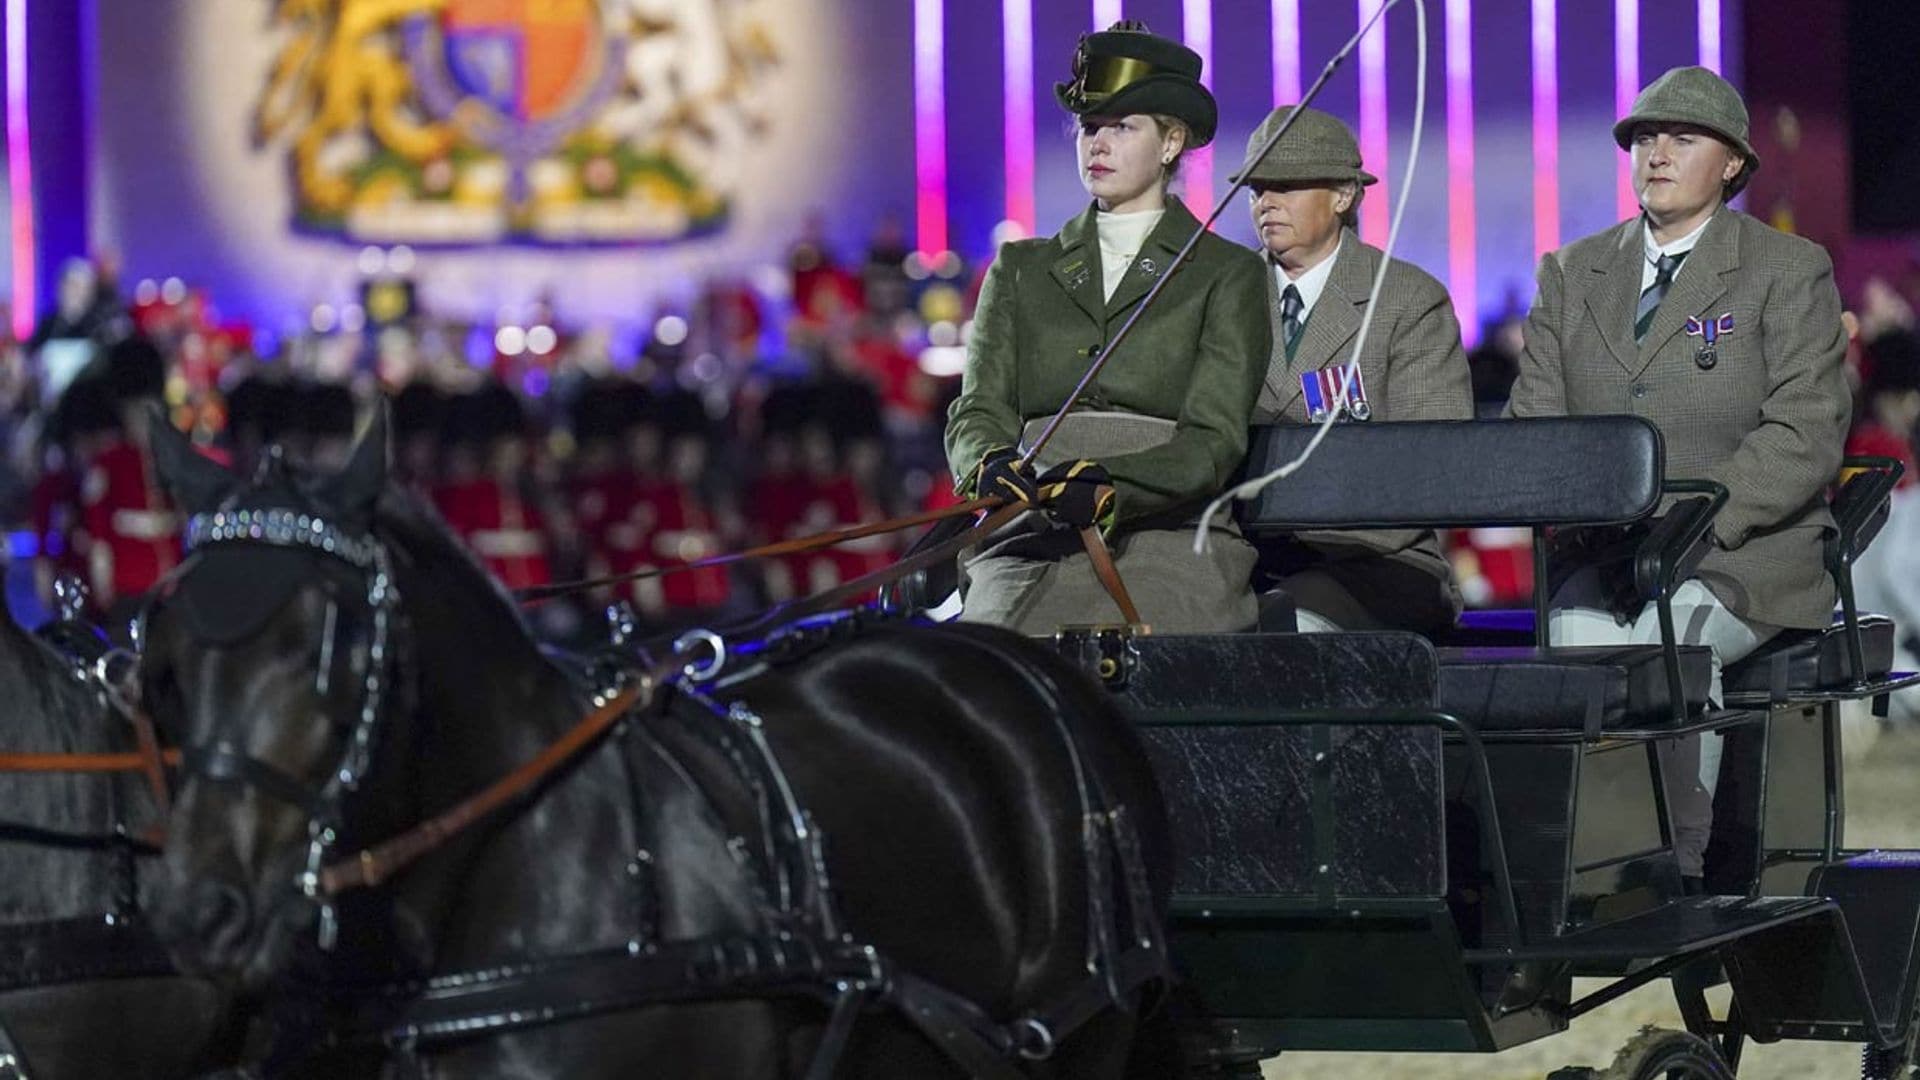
(281, 528)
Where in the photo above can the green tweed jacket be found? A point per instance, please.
(1197, 358)
(1768, 418)
(1414, 369)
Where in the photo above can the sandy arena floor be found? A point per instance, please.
(1883, 809)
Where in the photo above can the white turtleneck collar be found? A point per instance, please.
(1120, 238)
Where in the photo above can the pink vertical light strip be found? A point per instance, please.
(1286, 52)
(1197, 27)
(1626, 85)
(1105, 13)
(1462, 269)
(1710, 35)
(20, 172)
(930, 125)
(1546, 128)
(1016, 48)
(1373, 123)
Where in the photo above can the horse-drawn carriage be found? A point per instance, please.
(1370, 840)
(1394, 844)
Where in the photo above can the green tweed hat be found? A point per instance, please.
(1317, 147)
(1127, 70)
(1694, 95)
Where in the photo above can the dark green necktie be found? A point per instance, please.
(1290, 322)
(1663, 271)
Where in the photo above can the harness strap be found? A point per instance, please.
(532, 995)
(1129, 970)
(78, 949)
(376, 864)
(223, 762)
(833, 1041)
(974, 1040)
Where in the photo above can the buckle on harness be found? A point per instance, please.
(697, 670)
(1032, 1040)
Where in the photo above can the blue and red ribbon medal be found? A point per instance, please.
(1319, 389)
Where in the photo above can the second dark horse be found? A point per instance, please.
(338, 670)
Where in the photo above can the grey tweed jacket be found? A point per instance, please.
(1768, 418)
(1413, 368)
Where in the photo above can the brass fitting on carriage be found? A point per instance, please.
(1109, 651)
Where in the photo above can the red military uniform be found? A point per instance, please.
(508, 533)
(133, 534)
(1494, 566)
(779, 502)
(666, 523)
(838, 502)
(59, 541)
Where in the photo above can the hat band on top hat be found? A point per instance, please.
(1104, 76)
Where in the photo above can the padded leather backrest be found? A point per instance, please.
(1587, 470)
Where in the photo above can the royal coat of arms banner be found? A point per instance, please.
(598, 150)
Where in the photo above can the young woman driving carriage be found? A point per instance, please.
(1164, 426)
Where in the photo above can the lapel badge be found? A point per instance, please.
(1147, 266)
(1076, 273)
(1709, 332)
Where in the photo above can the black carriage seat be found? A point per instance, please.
(1589, 690)
(1812, 660)
(1443, 474)
(1794, 661)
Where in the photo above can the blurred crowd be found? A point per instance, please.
(770, 409)
(761, 412)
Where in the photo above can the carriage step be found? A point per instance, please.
(1693, 924)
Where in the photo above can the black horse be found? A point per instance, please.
(85, 990)
(872, 840)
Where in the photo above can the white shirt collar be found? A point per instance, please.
(1310, 284)
(1651, 252)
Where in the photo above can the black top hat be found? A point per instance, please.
(262, 407)
(1895, 364)
(485, 416)
(86, 407)
(602, 410)
(848, 408)
(136, 370)
(418, 409)
(683, 414)
(1125, 70)
(324, 409)
(786, 409)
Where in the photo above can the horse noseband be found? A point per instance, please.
(223, 762)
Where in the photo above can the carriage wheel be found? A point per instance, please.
(1661, 1054)
(1900, 1063)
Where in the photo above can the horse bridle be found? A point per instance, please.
(223, 761)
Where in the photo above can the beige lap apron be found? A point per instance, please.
(1033, 576)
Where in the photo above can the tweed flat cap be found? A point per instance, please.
(1694, 95)
(1317, 147)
